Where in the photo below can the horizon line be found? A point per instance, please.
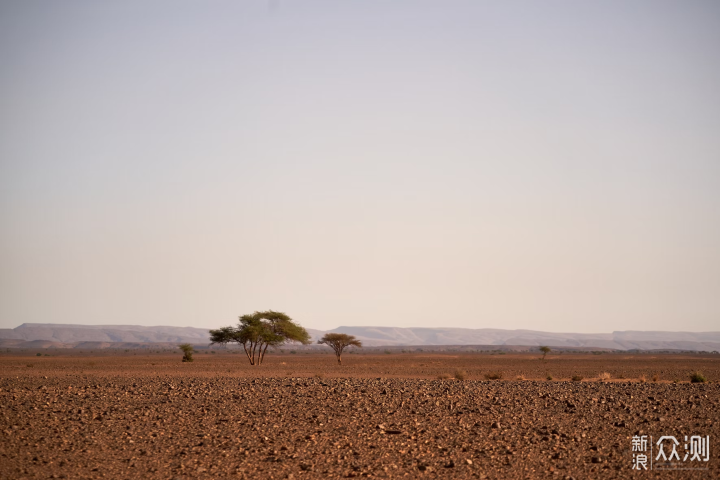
(374, 326)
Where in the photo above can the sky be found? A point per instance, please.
(524, 165)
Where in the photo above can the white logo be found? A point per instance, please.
(666, 457)
(661, 452)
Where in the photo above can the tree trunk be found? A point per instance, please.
(248, 354)
(339, 360)
(262, 356)
(253, 353)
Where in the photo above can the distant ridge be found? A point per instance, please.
(104, 333)
(111, 336)
(622, 340)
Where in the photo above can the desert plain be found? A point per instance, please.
(146, 414)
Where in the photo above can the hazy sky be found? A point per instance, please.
(544, 165)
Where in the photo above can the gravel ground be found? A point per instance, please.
(125, 420)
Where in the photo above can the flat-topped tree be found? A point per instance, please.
(545, 351)
(338, 342)
(260, 330)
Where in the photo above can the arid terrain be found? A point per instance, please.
(147, 415)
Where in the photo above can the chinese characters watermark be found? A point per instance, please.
(663, 454)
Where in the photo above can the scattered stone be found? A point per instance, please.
(247, 422)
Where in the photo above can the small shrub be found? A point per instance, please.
(577, 378)
(188, 351)
(460, 374)
(30, 365)
(655, 378)
(387, 352)
(493, 375)
(642, 379)
(549, 377)
(520, 377)
(604, 377)
(38, 354)
(293, 352)
(444, 376)
(319, 375)
(697, 377)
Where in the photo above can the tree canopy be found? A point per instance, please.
(260, 330)
(545, 350)
(338, 342)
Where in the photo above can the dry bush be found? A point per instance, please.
(520, 377)
(29, 365)
(577, 378)
(188, 351)
(319, 375)
(604, 376)
(549, 377)
(460, 374)
(697, 377)
(655, 378)
(493, 375)
(444, 376)
(642, 379)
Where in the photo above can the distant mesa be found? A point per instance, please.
(48, 335)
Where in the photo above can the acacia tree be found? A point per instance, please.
(545, 351)
(260, 330)
(338, 342)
